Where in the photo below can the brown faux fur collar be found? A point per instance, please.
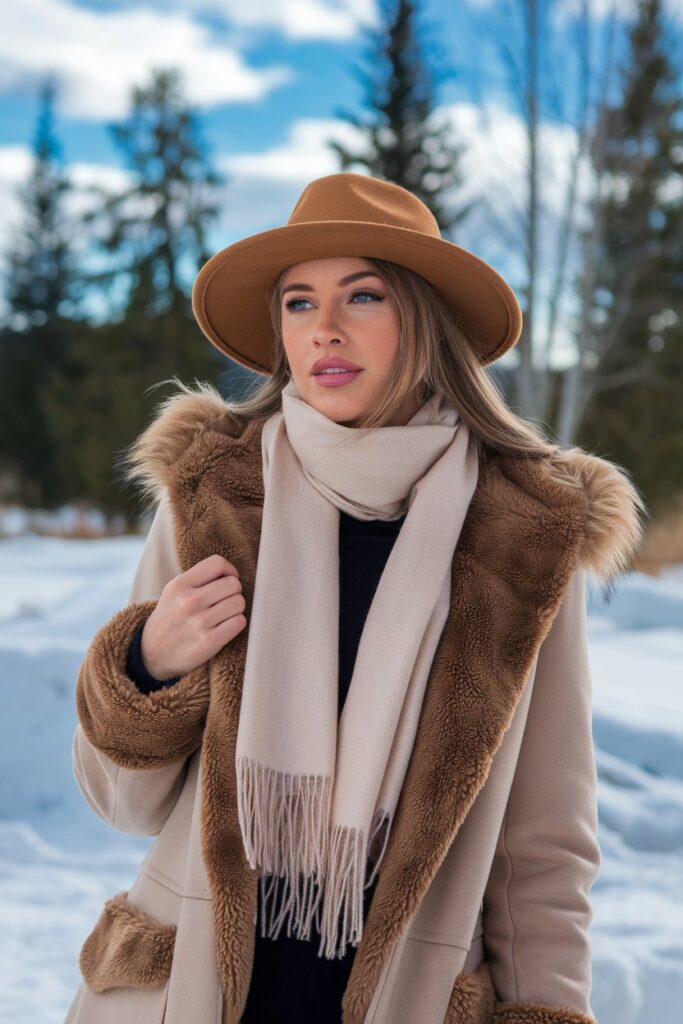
(613, 510)
(530, 524)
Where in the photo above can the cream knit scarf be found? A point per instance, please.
(314, 792)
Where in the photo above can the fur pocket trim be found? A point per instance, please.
(127, 947)
(538, 1013)
(474, 1001)
(473, 998)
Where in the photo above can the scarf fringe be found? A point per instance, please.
(285, 827)
(343, 892)
(381, 820)
(283, 818)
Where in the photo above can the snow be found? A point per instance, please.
(59, 862)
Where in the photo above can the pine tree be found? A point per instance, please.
(40, 287)
(159, 223)
(42, 290)
(155, 230)
(637, 320)
(404, 143)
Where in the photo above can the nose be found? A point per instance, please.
(327, 327)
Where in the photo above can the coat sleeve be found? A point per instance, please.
(536, 909)
(130, 749)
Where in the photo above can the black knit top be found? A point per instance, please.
(289, 981)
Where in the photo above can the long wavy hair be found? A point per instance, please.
(444, 360)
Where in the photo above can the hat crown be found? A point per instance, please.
(349, 214)
(358, 197)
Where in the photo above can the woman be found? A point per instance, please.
(401, 826)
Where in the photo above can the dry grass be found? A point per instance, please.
(81, 526)
(662, 545)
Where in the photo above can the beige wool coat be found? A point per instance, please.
(481, 910)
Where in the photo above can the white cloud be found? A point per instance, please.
(99, 55)
(15, 163)
(623, 10)
(15, 167)
(304, 155)
(494, 168)
(262, 189)
(295, 19)
(597, 9)
(496, 154)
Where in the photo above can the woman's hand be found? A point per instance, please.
(198, 612)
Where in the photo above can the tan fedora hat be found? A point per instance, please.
(349, 214)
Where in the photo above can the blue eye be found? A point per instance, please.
(290, 303)
(359, 291)
(366, 291)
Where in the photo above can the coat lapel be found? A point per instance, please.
(217, 497)
(512, 563)
(527, 529)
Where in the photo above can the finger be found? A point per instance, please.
(227, 630)
(211, 568)
(218, 590)
(223, 610)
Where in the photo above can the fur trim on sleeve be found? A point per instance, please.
(133, 729)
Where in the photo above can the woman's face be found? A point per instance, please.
(337, 308)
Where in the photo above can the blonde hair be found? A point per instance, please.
(444, 360)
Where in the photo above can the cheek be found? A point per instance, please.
(384, 344)
(295, 347)
(379, 342)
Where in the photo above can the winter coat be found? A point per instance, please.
(481, 911)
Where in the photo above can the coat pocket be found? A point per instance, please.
(127, 947)
(473, 999)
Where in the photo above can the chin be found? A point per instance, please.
(340, 412)
(342, 418)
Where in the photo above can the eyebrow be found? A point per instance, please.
(345, 280)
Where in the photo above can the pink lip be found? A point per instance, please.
(335, 380)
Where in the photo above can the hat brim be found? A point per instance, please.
(229, 295)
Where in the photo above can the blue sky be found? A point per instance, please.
(256, 78)
(268, 77)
